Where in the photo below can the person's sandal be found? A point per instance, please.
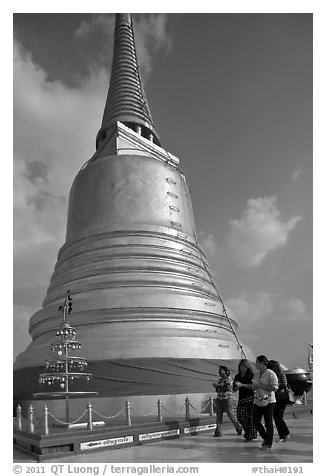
(265, 447)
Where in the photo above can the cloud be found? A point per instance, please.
(294, 309)
(100, 22)
(151, 36)
(251, 310)
(208, 242)
(296, 174)
(259, 231)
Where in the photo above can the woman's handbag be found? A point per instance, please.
(291, 399)
(285, 394)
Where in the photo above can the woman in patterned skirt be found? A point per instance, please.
(246, 400)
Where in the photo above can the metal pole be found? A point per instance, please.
(310, 357)
(31, 419)
(187, 415)
(66, 382)
(159, 411)
(46, 420)
(128, 416)
(67, 408)
(211, 406)
(19, 417)
(89, 416)
(294, 413)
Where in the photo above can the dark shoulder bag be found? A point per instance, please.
(285, 394)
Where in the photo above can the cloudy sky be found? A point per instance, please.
(231, 96)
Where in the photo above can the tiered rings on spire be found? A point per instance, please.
(126, 101)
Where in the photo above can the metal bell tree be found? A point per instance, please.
(65, 367)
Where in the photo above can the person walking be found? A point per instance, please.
(224, 401)
(282, 398)
(246, 399)
(264, 384)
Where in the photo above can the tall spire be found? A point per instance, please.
(126, 101)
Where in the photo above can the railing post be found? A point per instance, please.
(89, 416)
(159, 411)
(19, 417)
(46, 420)
(128, 416)
(187, 415)
(211, 406)
(31, 419)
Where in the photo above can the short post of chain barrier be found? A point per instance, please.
(89, 416)
(31, 419)
(211, 406)
(294, 413)
(46, 420)
(159, 411)
(128, 415)
(187, 415)
(19, 421)
(304, 398)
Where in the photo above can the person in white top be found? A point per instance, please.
(264, 384)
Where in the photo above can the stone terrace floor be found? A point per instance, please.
(206, 449)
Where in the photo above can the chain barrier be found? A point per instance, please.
(108, 417)
(199, 411)
(174, 412)
(167, 410)
(57, 419)
(207, 405)
(35, 421)
(134, 413)
(70, 422)
(195, 409)
(79, 418)
(304, 399)
(23, 419)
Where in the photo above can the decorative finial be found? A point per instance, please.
(126, 101)
(66, 308)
